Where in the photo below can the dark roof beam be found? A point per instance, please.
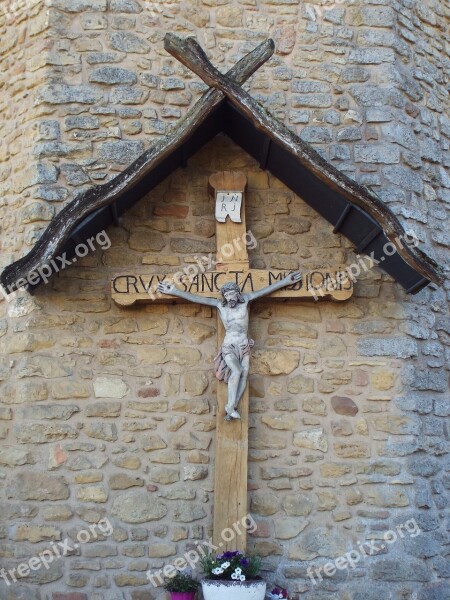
(344, 214)
(368, 239)
(265, 151)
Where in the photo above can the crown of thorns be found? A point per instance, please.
(231, 287)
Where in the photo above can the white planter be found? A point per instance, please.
(233, 590)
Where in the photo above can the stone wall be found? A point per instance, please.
(23, 69)
(107, 412)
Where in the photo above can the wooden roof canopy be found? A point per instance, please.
(354, 210)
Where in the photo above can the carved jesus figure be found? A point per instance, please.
(232, 362)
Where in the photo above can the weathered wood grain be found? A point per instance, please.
(190, 53)
(231, 456)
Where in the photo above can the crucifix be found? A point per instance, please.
(230, 289)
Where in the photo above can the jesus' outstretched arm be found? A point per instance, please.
(169, 288)
(290, 279)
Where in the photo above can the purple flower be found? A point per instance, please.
(228, 555)
(244, 562)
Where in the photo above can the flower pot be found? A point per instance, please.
(233, 590)
(182, 595)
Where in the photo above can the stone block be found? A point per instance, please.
(50, 411)
(395, 425)
(162, 550)
(61, 93)
(355, 74)
(318, 542)
(374, 16)
(127, 41)
(28, 532)
(315, 406)
(385, 497)
(341, 428)
(38, 433)
(74, 174)
(194, 473)
(230, 16)
(130, 579)
(103, 409)
(349, 134)
(195, 382)
(38, 486)
(74, 6)
(125, 6)
(285, 472)
(69, 596)
(313, 439)
(352, 449)
(404, 178)
(271, 362)
(92, 493)
(84, 122)
(297, 505)
(101, 431)
(163, 475)
(290, 527)
(414, 401)
(120, 152)
(300, 385)
(123, 481)
(311, 100)
(326, 500)
(400, 347)
(371, 56)
(36, 212)
(11, 456)
(110, 387)
(398, 133)
(344, 406)
(285, 423)
(423, 465)
(93, 22)
(393, 569)
(59, 512)
(141, 595)
(377, 153)
(188, 513)
(152, 442)
(195, 406)
(316, 135)
(264, 503)
(334, 469)
(138, 507)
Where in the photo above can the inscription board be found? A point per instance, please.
(228, 204)
(128, 288)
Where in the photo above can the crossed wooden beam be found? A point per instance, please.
(228, 85)
(191, 54)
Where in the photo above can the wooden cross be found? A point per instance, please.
(230, 490)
